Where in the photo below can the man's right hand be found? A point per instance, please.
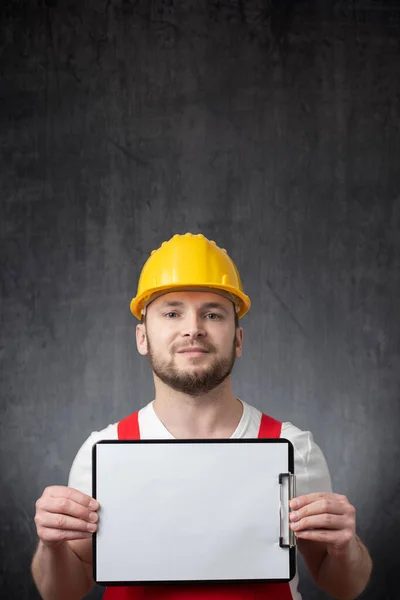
(63, 514)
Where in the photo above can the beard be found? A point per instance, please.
(193, 382)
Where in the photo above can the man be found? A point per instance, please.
(189, 301)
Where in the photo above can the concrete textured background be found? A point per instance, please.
(271, 127)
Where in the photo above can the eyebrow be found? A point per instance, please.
(179, 304)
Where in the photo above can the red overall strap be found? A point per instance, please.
(269, 427)
(128, 429)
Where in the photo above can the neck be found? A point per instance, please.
(212, 415)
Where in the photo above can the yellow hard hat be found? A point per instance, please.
(189, 262)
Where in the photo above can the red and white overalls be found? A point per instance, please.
(128, 429)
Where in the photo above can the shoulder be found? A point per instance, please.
(311, 469)
(80, 475)
(108, 433)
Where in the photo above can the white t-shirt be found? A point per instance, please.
(312, 474)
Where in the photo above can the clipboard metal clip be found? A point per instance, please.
(287, 481)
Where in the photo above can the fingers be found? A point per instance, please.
(322, 503)
(60, 491)
(308, 499)
(53, 520)
(64, 513)
(334, 537)
(53, 537)
(65, 506)
(323, 517)
(321, 521)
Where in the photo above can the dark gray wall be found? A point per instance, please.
(271, 127)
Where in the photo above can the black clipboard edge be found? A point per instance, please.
(196, 583)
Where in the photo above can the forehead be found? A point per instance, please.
(193, 299)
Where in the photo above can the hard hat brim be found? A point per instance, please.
(241, 300)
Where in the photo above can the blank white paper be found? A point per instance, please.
(189, 511)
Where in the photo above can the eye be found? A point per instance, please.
(171, 314)
(213, 316)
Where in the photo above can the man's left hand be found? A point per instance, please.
(325, 517)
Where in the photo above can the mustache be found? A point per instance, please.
(203, 346)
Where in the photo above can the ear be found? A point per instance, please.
(141, 339)
(239, 341)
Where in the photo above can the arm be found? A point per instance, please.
(346, 576)
(65, 521)
(59, 572)
(335, 556)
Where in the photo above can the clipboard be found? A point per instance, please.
(193, 511)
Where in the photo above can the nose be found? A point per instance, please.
(193, 326)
